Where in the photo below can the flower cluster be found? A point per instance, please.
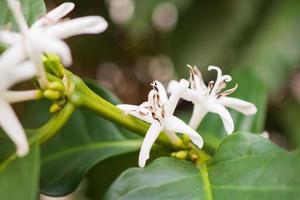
(23, 59)
(159, 109)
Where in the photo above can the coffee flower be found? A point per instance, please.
(158, 111)
(212, 98)
(8, 119)
(44, 36)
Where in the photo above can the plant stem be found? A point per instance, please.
(48, 130)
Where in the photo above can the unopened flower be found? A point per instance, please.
(8, 120)
(158, 111)
(212, 98)
(44, 36)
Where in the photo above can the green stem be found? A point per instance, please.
(53, 125)
(48, 130)
(110, 112)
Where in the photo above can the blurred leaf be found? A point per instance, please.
(207, 34)
(251, 89)
(33, 9)
(287, 117)
(19, 180)
(83, 142)
(275, 50)
(246, 166)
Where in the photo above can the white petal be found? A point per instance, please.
(175, 124)
(175, 96)
(11, 57)
(81, 25)
(149, 140)
(172, 86)
(161, 91)
(134, 111)
(219, 109)
(54, 15)
(22, 72)
(19, 96)
(12, 127)
(9, 37)
(242, 106)
(199, 112)
(188, 95)
(53, 45)
(16, 8)
(196, 79)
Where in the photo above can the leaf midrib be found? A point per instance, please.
(89, 146)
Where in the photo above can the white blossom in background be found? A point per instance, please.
(121, 11)
(212, 98)
(8, 119)
(45, 36)
(158, 111)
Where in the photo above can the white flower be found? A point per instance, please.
(158, 111)
(211, 98)
(8, 120)
(44, 36)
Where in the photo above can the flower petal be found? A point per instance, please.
(11, 125)
(21, 73)
(242, 106)
(198, 113)
(9, 37)
(176, 125)
(16, 8)
(161, 91)
(12, 57)
(19, 96)
(188, 95)
(136, 111)
(196, 79)
(219, 109)
(54, 15)
(81, 25)
(53, 45)
(175, 96)
(149, 140)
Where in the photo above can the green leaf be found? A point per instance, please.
(33, 9)
(251, 89)
(84, 141)
(246, 166)
(275, 51)
(213, 38)
(20, 179)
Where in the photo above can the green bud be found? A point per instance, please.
(51, 94)
(54, 108)
(39, 94)
(53, 65)
(182, 155)
(56, 86)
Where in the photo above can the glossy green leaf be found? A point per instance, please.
(84, 141)
(19, 180)
(275, 51)
(246, 166)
